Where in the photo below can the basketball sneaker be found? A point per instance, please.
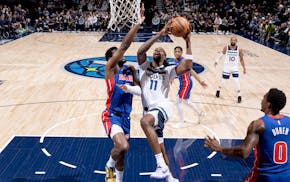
(239, 99)
(171, 179)
(217, 94)
(110, 174)
(160, 173)
(201, 116)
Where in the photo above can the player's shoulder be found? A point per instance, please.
(257, 126)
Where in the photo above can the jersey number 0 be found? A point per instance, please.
(280, 152)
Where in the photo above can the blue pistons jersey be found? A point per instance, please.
(118, 101)
(185, 82)
(272, 153)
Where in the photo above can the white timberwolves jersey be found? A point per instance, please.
(232, 56)
(155, 83)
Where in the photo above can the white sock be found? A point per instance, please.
(193, 106)
(221, 83)
(111, 162)
(236, 80)
(179, 109)
(160, 160)
(119, 175)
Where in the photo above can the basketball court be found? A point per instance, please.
(53, 94)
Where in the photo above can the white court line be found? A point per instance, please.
(211, 155)
(146, 173)
(216, 175)
(189, 166)
(45, 152)
(99, 172)
(61, 123)
(7, 143)
(67, 164)
(39, 172)
(213, 133)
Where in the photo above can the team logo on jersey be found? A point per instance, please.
(95, 67)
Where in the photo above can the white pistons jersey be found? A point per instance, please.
(155, 83)
(232, 56)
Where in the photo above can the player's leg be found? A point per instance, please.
(180, 112)
(149, 124)
(225, 76)
(237, 83)
(120, 162)
(114, 130)
(169, 178)
(118, 152)
(200, 113)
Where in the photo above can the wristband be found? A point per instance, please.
(188, 56)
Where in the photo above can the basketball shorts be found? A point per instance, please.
(161, 113)
(184, 91)
(230, 70)
(116, 123)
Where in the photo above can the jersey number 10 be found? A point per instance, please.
(280, 152)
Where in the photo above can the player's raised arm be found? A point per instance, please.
(243, 150)
(141, 54)
(220, 55)
(186, 64)
(126, 42)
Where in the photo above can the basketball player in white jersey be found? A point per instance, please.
(155, 79)
(234, 55)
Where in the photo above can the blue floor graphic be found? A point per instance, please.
(82, 159)
(140, 37)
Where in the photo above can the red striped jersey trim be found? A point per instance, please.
(186, 84)
(254, 174)
(110, 89)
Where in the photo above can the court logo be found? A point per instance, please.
(95, 67)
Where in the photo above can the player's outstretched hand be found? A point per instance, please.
(212, 144)
(187, 37)
(166, 29)
(203, 84)
(142, 11)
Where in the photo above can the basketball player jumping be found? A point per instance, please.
(116, 116)
(234, 55)
(185, 86)
(270, 137)
(155, 79)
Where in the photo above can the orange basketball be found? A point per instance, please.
(179, 27)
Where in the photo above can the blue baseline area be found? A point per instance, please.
(23, 157)
(140, 37)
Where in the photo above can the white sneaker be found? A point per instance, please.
(171, 179)
(201, 116)
(160, 173)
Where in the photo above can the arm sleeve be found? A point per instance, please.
(135, 90)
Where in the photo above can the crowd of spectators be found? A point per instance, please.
(265, 20)
(54, 15)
